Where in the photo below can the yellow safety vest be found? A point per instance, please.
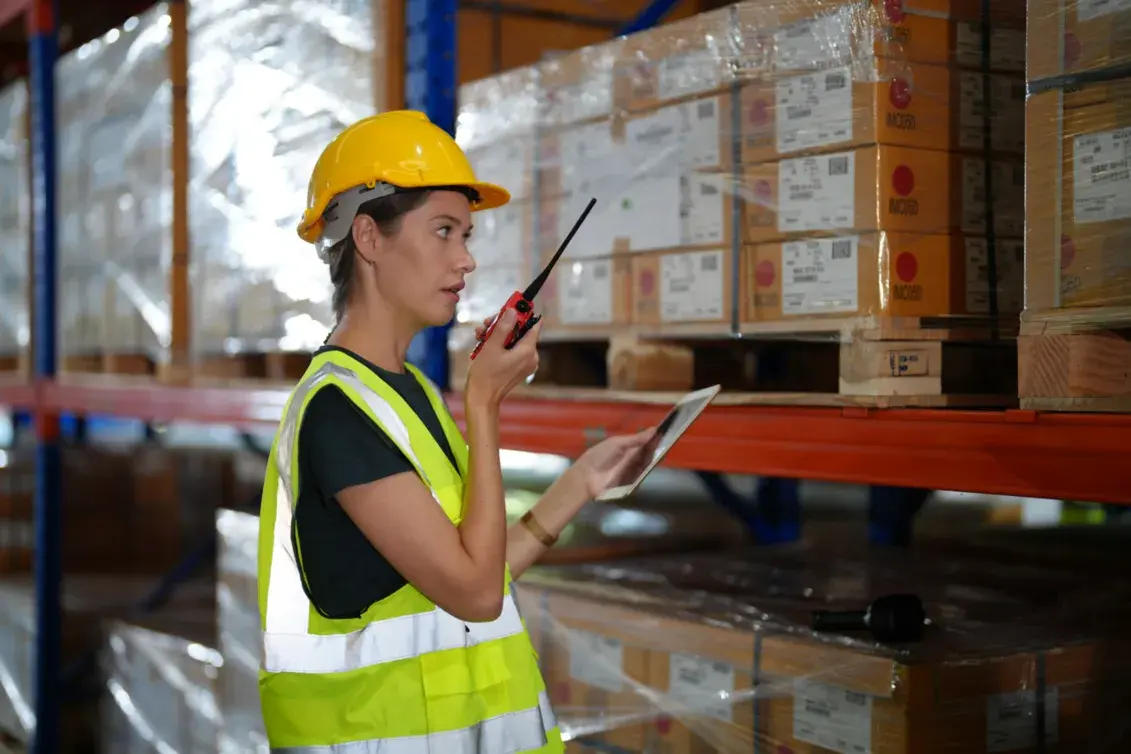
(406, 677)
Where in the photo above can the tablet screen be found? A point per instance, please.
(669, 430)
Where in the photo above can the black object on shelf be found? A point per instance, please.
(894, 618)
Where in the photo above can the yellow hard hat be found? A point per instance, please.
(401, 149)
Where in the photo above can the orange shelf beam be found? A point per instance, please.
(1067, 456)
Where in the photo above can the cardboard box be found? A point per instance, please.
(893, 103)
(871, 188)
(508, 163)
(682, 287)
(503, 236)
(588, 294)
(1078, 199)
(728, 662)
(670, 62)
(892, 274)
(817, 34)
(1070, 36)
(578, 86)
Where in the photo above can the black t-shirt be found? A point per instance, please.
(339, 447)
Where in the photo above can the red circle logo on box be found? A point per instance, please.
(894, 10)
(903, 180)
(1067, 252)
(1072, 49)
(664, 725)
(759, 113)
(764, 273)
(647, 282)
(762, 190)
(906, 266)
(899, 92)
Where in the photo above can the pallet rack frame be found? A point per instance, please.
(900, 452)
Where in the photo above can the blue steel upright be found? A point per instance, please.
(42, 51)
(431, 86)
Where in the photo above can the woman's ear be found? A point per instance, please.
(367, 238)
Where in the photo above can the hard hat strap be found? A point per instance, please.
(340, 212)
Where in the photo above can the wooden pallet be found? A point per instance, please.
(131, 363)
(878, 362)
(272, 366)
(1075, 360)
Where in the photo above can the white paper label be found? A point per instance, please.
(581, 101)
(691, 286)
(831, 717)
(707, 193)
(814, 110)
(1007, 115)
(1010, 257)
(1088, 10)
(597, 661)
(1009, 197)
(1011, 720)
(498, 237)
(819, 276)
(1007, 48)
(814, 43)
(689, 73)
(705, 687)
(700, 147)
(585, 292)
(1102, 177)
(817, 193)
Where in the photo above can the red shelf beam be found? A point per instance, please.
(1068, 456)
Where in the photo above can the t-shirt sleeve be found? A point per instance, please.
(343, 447)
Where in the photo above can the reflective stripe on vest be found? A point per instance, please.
(288, 646)
(505, 734)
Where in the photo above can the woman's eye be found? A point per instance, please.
(444, 231)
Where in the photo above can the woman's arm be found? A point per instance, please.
(459, 568)
(556, 508)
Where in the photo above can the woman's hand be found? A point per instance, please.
(496, 370)
(615, 461)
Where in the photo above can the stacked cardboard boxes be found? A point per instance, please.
(15, 226)
(1078, 204)
(783, 161)
(713, 653)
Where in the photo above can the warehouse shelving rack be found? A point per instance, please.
(901, 453)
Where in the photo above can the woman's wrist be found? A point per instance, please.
(479, 407)
(566, 496)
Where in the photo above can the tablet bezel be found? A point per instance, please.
(702, 399)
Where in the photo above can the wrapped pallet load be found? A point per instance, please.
(15, 227)
(1074, 353)
(788, 170)
(186, 135)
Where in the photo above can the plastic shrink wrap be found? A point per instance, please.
(87, 601)
(115, 194)
(1072, 354)
(773, 165)
(159, 694)
(694, 652)
(15, 225)
(269, 85)
(599, 532)
(714, 653)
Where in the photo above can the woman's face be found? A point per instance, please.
(424, 265)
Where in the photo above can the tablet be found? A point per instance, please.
(669, 430)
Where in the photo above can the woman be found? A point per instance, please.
(388, 622)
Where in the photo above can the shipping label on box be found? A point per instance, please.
(503, 236)
(676, 287)
(890, 102)
(872, 188)
(819, 276)
(585, 292)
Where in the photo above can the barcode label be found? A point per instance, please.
(838, 166)
(709, 263)
(708, 189)
(835, 80)
(842, 250)
(706, 110)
